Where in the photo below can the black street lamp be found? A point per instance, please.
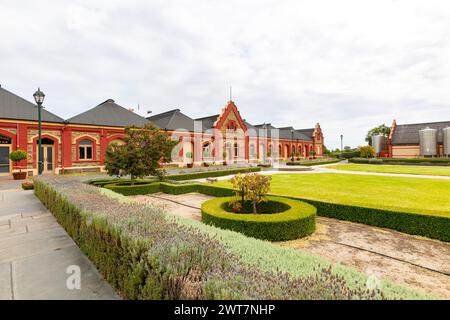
(292, 144)
(39, 98)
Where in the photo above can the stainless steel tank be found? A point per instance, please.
(379, 143)
(428, 142)
(446, 140)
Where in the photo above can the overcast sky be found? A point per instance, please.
(349, 65)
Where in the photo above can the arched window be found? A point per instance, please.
(279, 150)
(207, 150)
(5, 140)
(85, 149)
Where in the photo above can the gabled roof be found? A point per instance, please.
(14, 107)
(285, 132)
(308, 133)
(172, 120)
(301, 134)
(109, 113)
(264, 130)
(409, 133)
(252, 130)
(208, 122)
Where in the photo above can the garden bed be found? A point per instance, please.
(346, 197)
(280, 218)
(146, 254)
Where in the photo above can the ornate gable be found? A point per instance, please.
(230, 119)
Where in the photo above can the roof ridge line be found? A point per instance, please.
(214, 115)
(165, 112)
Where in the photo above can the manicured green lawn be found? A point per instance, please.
(428, 170)
(415, 195)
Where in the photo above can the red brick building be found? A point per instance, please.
(80, 143)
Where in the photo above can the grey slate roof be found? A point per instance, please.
(172, 120)
(308, 133)
(303, 134)
(409, 133)
(252, 130)
(264, 132)
(208, 122)
(14, 107)
(109, 113)
(285, 132)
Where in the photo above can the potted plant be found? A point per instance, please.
(16, 156)
(224, 155)
(189, 156)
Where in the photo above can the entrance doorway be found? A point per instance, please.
(47, 148)
(5, 149)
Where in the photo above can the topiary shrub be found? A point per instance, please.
(298, 220)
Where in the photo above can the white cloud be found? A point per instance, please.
(350, 65)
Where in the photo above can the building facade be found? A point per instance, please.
(80, 143)
(430, 139)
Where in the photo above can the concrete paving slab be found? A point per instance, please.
(5, 281)
(45, 276)
(35, 252)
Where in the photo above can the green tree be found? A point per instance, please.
(381, 129)
(252, 187)
(142, 153)
(367, 152)
(18, 155)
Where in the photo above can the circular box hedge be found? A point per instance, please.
(297, 221)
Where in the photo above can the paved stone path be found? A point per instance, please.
(35, 252)
(411, 261)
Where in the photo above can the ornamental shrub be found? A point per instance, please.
(18, 155)
(252, 187)
(295, 219)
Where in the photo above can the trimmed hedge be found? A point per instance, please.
(415, 161)
(211, 173)
(311, 163)
(424, 225)
(296, 222)
(132, 190)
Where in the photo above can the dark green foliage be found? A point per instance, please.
(131, 190)
(348, 154)
(18, 155)
(211, 173)
(407, 161)
(423, 225)
(297, 221)
(381, 129)
(142, 153)
(264, 207)
(311, 163)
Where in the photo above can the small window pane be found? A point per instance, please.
(81, 154)
(88, 152)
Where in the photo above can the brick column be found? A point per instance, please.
(66, 147)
